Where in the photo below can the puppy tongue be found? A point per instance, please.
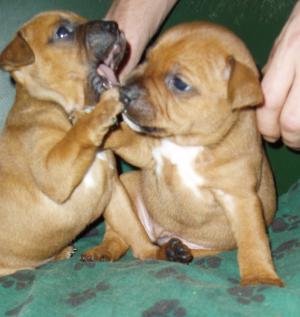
(105, 71)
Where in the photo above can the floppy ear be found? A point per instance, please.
(243, 85)
(16, 54)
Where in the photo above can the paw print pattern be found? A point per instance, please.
(84, 264)
(78, 298)
(285, 248)
(247, 294)
(166, 308)
(166, 272)
(21, 280)
(285, 223)
(212, 262)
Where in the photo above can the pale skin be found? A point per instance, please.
(279, 116)
(139, 20)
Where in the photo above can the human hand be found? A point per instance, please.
(280, 114)
(139, 20)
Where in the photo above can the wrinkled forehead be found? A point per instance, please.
(188, 53)
(44, 23)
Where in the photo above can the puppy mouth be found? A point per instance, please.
(107, 67)
(135, 126)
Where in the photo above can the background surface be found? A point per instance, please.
(257, 22)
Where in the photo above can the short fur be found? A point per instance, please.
(204, 176)
(55, 180)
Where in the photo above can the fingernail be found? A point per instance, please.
(270, 139)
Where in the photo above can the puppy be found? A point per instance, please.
(204, 177)
(54, 178)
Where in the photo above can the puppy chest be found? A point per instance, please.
(177, 166)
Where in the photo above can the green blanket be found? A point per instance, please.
(209, 286)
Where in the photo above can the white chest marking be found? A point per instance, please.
(183, 157)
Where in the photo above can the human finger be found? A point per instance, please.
(290, 116)
(279, 74)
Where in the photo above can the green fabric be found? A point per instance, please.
(209, 286)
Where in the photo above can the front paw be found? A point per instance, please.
(99, 253)
(92, 127)
(265, 280)
(109, 105)
(75, 115)
(66, 253)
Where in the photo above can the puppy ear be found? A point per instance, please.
(16, 54)
(244, 88)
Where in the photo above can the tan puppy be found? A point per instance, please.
(204, 177)
(54, 179)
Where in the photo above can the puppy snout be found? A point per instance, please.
(111, 26)
(102, 26)
(100, 37)
(129, 94)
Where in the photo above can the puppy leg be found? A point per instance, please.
(134, 148)
(123, 230)
(7, 271)
(127, 224)
(112, 247)
(72, 151)
(254, 255)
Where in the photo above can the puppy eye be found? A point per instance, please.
(179, 84)
(63, 32)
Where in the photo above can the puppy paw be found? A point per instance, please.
(177, 251)
(109, 103)
(99, 253)
(75, 115)
(93, 126)
(66, 253)
(266, 280)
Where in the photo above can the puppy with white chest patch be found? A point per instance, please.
(190, 126)
(55, 179)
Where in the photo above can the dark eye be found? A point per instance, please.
(63, 32)
(180, 85)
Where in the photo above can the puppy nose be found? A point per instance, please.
(110, 26)
(129, 94)
(124, 98)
